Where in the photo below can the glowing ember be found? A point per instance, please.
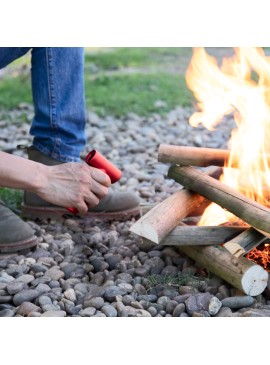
(241, 85)
(261, 255)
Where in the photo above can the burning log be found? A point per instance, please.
(196, 156)
(244, 242)
(197, 235)
(240, 272)
(253, 213)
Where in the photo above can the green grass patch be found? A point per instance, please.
(137, 93)
(12, 198)
(15, 90)
(118, 58)
(119, 93)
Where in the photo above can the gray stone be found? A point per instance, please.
(7, 313)
(25, 278)
(109, 310)
(25, 296)
(163, 301)
(181, 298)
(225, 312)
(50, 307)
(156, 265)
(238, 301)
(88, 312)
(142, 313)
(5, 299)
(170, 307)
(96, 302)
(39, 268)
(127, 287)
(152, 311)
(26, 308)
(54, 314)
(82, 287)
(198, 302)
(70, 294)
(147, 297)
(43, 300)
(214, 306)
(179, 309)
(94, 291)
(43, 288)
(15, 287)
(112, 291)
(113, 261)
(55, 274)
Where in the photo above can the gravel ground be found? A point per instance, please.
(97, 269)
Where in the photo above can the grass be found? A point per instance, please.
(136, 93)
(12, 198)
(116, 93)
(106, 59)
(174, 281)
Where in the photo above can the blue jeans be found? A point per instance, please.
(58, 94)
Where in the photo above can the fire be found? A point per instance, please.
(241, 87)
(261, 255)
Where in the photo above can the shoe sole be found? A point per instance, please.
(11, 247)
(31, 212)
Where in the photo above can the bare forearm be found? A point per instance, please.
(19, 173)
(70, 184)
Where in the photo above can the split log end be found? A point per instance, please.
(254, 280)
(145, 230)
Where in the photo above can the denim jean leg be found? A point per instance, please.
(59, 102)
(10, 54)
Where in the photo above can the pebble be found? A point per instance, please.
(214, 306)
(25, 296)
(179, 309)
(238, 301)
(15, 287)
(7, 313)
(88, 312)
(54, 274)
(25, 278)
(109, 310)
(26, 308)
(59, 313)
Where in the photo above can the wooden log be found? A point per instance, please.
(197, 156)
(240, 272)
(194, 156)
(244, 242)
(165, 216)
(197, 235)
(251, 212)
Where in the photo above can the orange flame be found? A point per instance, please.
(240, 86)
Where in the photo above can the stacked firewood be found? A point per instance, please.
(219, 249)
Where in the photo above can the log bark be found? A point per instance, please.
(196, 156)
(244, 242)
(202, 236)
(251, 212)
(165, 216)
(240, 272)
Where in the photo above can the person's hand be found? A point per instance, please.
(73, 184)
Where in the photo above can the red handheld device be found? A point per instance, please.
(97, 160)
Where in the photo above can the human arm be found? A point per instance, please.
(70, 184)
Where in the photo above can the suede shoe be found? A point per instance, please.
(114, 206)
(15, 234)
